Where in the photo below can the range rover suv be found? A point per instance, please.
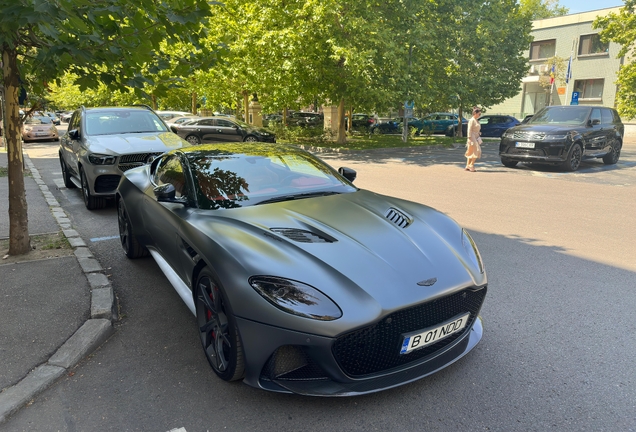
(564, 136)
(102, 143)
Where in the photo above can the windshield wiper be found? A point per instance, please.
(296, 196)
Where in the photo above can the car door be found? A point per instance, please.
(164, 220)
(227, 131)
(75, 146)
(595, 138)
(609, 128)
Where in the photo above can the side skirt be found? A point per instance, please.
(182, 289)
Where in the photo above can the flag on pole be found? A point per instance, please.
(552, 73)
(568, 75)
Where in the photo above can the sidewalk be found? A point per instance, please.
(53, 311)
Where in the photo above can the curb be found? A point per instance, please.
(87, 338)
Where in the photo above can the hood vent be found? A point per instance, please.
(302, 236)
(399, 218)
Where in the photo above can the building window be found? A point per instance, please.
(592, 44)
(589, 89)
(542, 49)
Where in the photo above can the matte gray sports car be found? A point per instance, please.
(299, 281)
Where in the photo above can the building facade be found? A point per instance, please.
(593, 66)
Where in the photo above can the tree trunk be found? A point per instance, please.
(19, 241)
(194, 103)
(154, 102)
(246, 105)
(460, 127)
(342, 137)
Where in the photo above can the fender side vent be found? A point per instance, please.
(302, 236)
(399, 218)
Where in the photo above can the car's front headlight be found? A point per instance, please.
(265, 133)
(508, 134)
(296, 298)
(471, 249)
(101, 159)
(555, 137)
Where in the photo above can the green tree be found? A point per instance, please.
(484, 44)
(108, 41)
(621, 28)
(540, 9)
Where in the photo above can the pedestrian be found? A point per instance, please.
(473, 142)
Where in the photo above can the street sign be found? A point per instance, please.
(409, 105)
(575, 98)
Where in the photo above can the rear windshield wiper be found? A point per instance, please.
(297, 196)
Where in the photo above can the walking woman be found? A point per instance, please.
(473, 143)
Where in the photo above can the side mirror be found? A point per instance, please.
(347, 173)
(167, 193)
(74, 134)
(595, 122)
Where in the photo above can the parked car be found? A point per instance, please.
(434, 123)
(492, 126)
(304, 119)
(181, 119)
(54, 118)
(39, 128)
(565, 135)
(360, 121)
(102, 143)
(167, 115)
(386, 127)
(222, 129)
(65, 118)
(299, 281)
(272, 119)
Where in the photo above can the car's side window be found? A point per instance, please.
(224, 123)
(206, 122)
(607, 116)
(170, 171)
(596, 115)
(75, 121)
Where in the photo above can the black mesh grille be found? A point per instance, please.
(377, 348)
(130, 161)
(106, 183)
(291, 363)
(537, 152)
(301, 236)
(528, 136)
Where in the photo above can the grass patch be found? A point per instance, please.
(43, 246)
(368, 142)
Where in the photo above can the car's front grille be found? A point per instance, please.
(529, 152)
(376, 348)
(106, 183)
(135, 160)
(528, 136)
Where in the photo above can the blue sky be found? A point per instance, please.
(577, 6)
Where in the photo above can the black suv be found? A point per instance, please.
(564, 135)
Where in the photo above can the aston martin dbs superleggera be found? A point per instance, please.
(299, 281)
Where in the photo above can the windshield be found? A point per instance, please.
(560, 115)
(123, 121)
(235, 176)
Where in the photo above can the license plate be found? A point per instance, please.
(41, 133)
(422, 338)
(524, 145)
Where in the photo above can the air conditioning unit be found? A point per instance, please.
(533, 69)
(543, 69)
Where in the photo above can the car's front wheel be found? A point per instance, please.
(130, 244)
(251, 138)
(612, 157)
(91, 202)
(193, 139)
(377, 131)
(66, 176)
(575, 155)
(509, 163)
(217, 329)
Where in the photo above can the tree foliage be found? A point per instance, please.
(106, 41)
(541, 9)
(621, 28)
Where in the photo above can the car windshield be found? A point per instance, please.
(237, 175)
(45, 119)
(122, 121)
(33, 121)
(560, 115)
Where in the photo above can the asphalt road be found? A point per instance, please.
(559, 340)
